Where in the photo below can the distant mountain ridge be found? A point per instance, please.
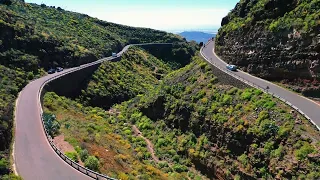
(197, 36)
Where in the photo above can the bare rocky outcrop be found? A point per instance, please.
(272, 39)
(289, 55)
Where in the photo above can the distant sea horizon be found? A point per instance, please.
(205, 30)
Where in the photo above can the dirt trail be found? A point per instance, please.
(62, 144)
(150, 148)
(137, 132)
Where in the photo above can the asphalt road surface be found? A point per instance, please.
(34, 158)
(307, 106)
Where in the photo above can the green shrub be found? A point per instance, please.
(278, 153)
(191, 174)
(92, 163)
(246, 95)
(163, 164)
(227, 100)
(269, 104)
(208, 68)
(263, 115)
(51, 124)
(3, 164)
(176, 158)
(161, 142)
(232, 91)
(268, 128)
(213, 80)
(263, 171)
(30, 76)
(135, 117)
(243, 159)
(73, 156)
(303, 152)
(313, 175)
(11, 177)
(84, 155)
(237, 177)
(284, 131)
(257, 92)
(180, 168)
(78, 149)
(238, 106)
(203, 65)
(193, 79)
(268, 147)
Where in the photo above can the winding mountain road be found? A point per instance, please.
(307, 106)
(34, 158)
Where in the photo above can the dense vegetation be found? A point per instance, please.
(176, 56)
(136, 73)
(11, 81)
(195, 122)
(275, 15)
(198, 126)
(87, 128)
(115, 82)
(274, 39)
(34, 38)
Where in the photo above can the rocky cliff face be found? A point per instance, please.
(274, 39)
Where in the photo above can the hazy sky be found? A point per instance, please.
(157, 14)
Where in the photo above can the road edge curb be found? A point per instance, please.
(13, 165)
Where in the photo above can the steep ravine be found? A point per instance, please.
(194, 117)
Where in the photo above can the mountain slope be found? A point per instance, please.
(273, 39)
(115, 82)
(11, 81)
(34, 38)
(52, 36)
(91, 129)
(224, 131)
(199, 125)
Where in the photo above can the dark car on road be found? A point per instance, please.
(59, 69)
(51, 71)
